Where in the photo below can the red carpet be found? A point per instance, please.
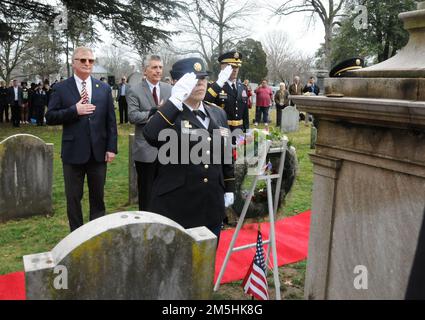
(291, 242)
(292, 246)
(12, 286)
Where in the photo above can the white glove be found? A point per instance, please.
(229, 198)
(182, 89)
(224, 75)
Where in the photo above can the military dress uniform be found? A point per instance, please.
(234, 102)
(189, 193)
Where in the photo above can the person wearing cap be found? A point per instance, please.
(230, 94)
(193, 192)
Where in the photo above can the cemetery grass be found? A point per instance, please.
(41, 233)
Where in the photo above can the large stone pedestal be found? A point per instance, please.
(369, 178)
(368, 195)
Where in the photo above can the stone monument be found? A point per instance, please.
(126, 255)
(369, 176)
(26, 177)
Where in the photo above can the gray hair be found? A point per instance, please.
(78, 49)
(147, 60)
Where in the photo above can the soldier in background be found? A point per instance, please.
(228, 93)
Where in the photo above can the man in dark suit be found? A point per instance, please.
(39, 103)
(141, 99)
(123, 87)
(230, 94)
(295, 89)
(15, 101)
(85, 108)
(311, 87)
(194, 189)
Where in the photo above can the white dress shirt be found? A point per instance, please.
(205, 122)
(231, 83)
(15, 89)
(123, 87)
(79, 83)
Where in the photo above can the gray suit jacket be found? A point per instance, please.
(140, 102)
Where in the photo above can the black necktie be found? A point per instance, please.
(234, 89)
(199, 113)
(155, 97)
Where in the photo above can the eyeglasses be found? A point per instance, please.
(83, 61)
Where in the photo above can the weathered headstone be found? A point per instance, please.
(26, 175)
(290, 119)
(132, 174)
(134, 78)
(126, 255)
(313, 137)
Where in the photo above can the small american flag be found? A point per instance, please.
(255, 281)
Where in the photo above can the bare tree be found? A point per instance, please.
(214, 26)
(301, 66)
(329, 12)
(42, 58)
(12, 48)
(279, 54)
(116, 61)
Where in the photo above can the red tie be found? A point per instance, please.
(84, 93)
(155, 97)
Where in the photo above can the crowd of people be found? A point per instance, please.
(85, 107)
(23, 104)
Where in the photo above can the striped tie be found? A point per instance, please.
(84, 94)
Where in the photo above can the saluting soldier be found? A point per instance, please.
(230, 94)
(194, 192)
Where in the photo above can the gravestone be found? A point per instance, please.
(134, 78)
(290, 119)
(126, 255)
(132, 174)
(313, 137)
(26, 175)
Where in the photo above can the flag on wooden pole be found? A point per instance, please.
(255, 281)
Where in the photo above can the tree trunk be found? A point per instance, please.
(328, 46)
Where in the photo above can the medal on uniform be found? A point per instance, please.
(223, 95)
(224, 132)
(186, 127)
(187, 124)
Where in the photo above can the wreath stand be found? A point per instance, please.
(272, 206)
